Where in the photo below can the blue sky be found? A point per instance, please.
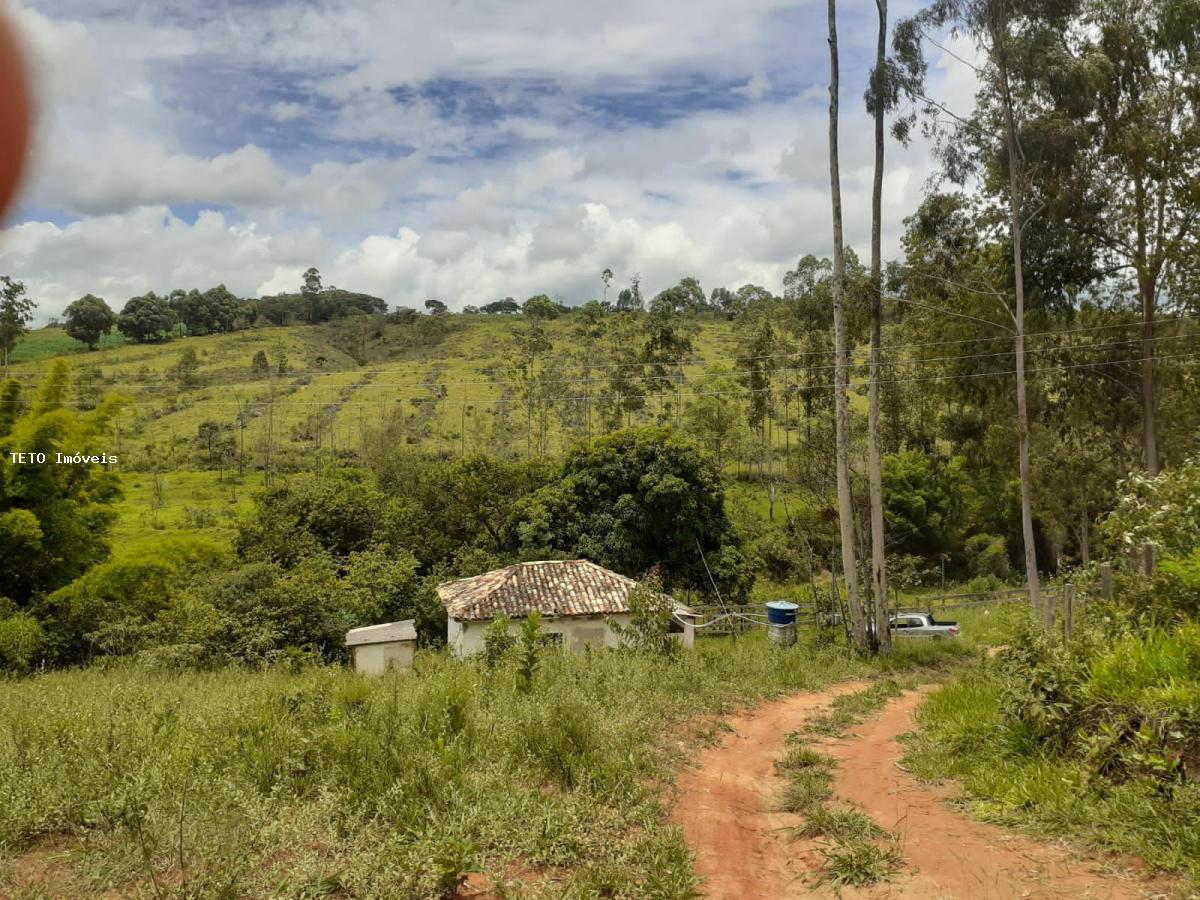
(463, 151)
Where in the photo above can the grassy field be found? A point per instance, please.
(45, 343)
(1088, 791)
(321, 782)
(450, 391)
(177, 504)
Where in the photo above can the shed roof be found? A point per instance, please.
(382, 634)
(574, 587)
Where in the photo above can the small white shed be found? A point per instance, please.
(377, 649)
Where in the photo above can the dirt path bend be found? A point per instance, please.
(727, 810)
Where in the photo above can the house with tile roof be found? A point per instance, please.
(576, 598)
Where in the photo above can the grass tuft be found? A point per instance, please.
(856, 856)
(839, 824)
(801, 758)
(806, 789)
(850, 709)
(859, 862)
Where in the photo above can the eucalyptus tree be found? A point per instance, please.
(589, 330)
(533, 344)
(669, 331)
(622, 393)
(858, 627)
(757, 361)
(882, 95)
(16, 312)
(1117, 94)
(1014, 37)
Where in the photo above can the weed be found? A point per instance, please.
(850, 709)
(859, 861)
(806, 789)
(839, 824)
(276, 782)
(801, 758)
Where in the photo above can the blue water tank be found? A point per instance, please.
(781, 612)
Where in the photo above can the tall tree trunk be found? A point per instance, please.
(858, 629)
(879, 593)
(1149, 391)
(1014, 211)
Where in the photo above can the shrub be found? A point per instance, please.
(984, 584)
(988, 554)
(1130, 704)
(21, 640)
(529, 657)
(1163, 510)
(651, 613)
(1177, 584)
(780, 555)
(111, 609)
(497, 642)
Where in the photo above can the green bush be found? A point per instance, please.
(988, 554)
(21, 640)
(1130, 704)
(651, 613)
(1177, 584)
(1163, 510)
(497, 642)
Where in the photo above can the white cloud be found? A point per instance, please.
(286, 112)
(403, 193)
(122, 255)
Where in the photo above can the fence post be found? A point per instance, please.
(1068, 610)
(1106, 581)
(1147, 559)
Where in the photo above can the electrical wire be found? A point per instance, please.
(262, 403)
(798, 354)
(365, 379)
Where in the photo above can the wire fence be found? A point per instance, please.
(823, 609)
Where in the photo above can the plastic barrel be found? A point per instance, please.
(781, 612)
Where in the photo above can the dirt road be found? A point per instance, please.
(727, 809)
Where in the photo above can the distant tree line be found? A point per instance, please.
(150, 317)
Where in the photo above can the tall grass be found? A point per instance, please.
(1014, 778)
(263, 782)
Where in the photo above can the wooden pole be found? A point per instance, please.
(1106, 581)
(1068, 610)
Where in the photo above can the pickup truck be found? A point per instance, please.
(919, 624)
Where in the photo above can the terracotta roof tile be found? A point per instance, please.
(573, 587)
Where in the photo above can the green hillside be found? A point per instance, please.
(462, 366)
(195, 443)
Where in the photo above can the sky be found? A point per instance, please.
(465, 151)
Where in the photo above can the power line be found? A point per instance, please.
(430, 382)
(807, 389)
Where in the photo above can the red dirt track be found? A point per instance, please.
(727, 808)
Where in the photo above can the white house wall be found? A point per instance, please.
(466, 638)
